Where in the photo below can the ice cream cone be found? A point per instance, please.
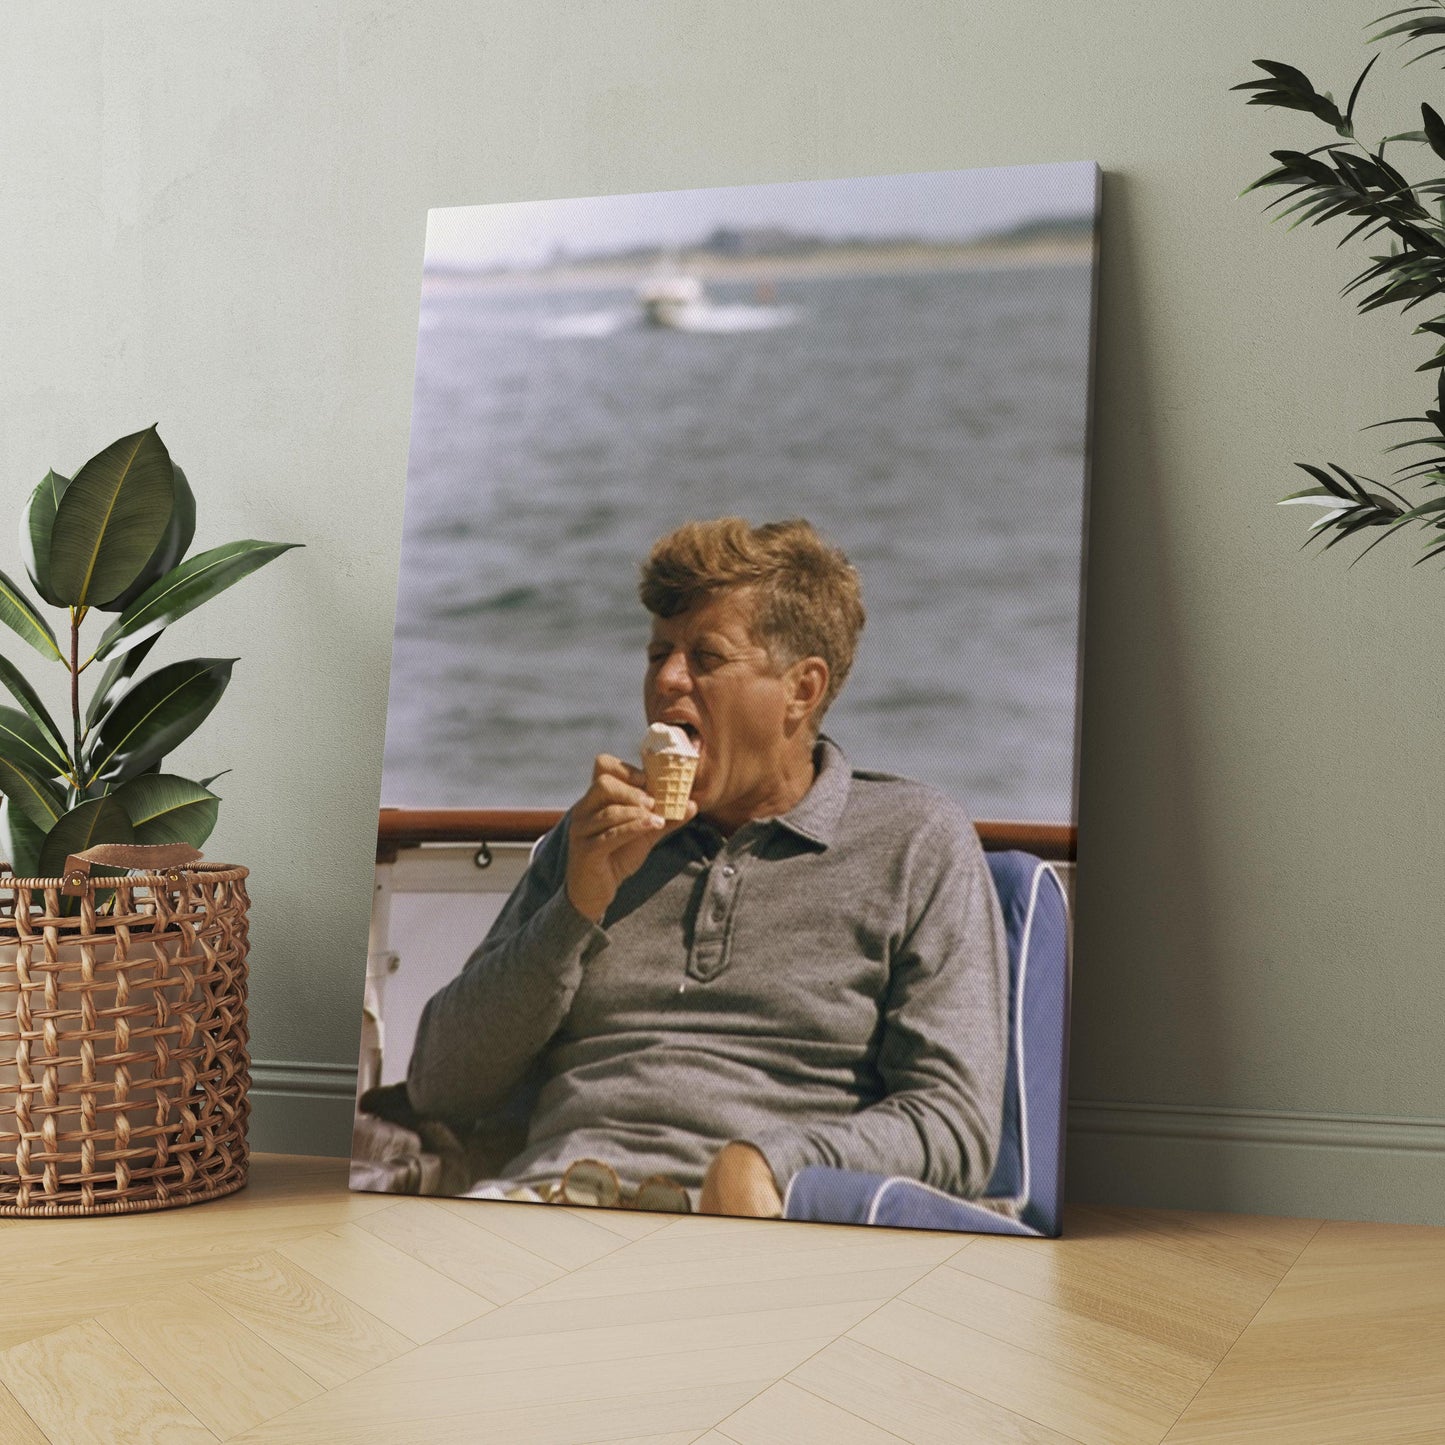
(669, 780)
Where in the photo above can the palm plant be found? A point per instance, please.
(1344, 178)
(111, 539)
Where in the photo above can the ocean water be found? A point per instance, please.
(930, 424)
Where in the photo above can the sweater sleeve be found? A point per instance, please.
(943, 1050)
(479, 1034)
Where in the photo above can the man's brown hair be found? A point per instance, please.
(807, 601)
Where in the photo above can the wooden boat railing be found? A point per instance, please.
(400, 828)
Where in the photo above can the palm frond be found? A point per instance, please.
(1344, 180)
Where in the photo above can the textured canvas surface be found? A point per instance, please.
(904, 361)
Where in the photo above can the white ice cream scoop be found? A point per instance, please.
(669, 759)
(665, 738)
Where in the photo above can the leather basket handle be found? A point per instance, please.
(149, 857)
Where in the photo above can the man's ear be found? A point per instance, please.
(809, 679)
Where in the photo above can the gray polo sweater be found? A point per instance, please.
(830, 986)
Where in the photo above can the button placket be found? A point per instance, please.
(709, 951)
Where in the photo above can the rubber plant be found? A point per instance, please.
(111, 540)
(1345, 179)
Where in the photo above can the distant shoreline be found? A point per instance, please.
(853, 261)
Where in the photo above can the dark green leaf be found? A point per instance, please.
(1315, 496)
(1434, 130)
(1411, 29)
(18, 613)
(166, 809)
(110, 520)
(23, 742)
(180, 532)
(1404, 505)
(1288, 75)
(101, 820)
(38, 799)
(155, 715)
(20, 842)
(1355, 93)
(1424, 510)
(118, 670)
(1353, 483)
(1292, 89)
(1306, 166)
(190, 585)
(1422, 470)
(1413, 442)
(206, 782)
(1387, 533)
(1354, 231)
(36, 522)
(1343, 533)
(1425, 420)
(1424, 9)
(12, 679)
(1324, 479)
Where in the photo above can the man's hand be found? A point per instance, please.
(740, 1181)
(614, 827)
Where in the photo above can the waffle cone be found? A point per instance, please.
(669, 780)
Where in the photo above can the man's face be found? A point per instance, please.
(708, 675)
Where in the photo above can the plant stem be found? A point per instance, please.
(75, 690)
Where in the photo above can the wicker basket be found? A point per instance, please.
(123, 1063)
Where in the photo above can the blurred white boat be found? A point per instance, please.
(674, 300)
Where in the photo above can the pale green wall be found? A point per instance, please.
(214, 217)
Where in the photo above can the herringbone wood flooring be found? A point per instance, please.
(296, 1312)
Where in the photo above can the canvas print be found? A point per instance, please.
(728, 800)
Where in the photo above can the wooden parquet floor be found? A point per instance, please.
(296, 1313)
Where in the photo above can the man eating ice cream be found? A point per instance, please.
(803, 964)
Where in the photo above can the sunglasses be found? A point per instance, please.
(591, 1183)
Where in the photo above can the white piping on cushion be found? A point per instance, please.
(788, 1193)
(883, 1189)
(1024, 942)
(938, 1194)
(1043, 868)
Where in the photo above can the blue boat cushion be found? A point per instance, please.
(841, 1196)
(1026, 1184)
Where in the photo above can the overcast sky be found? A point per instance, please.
(936, 205)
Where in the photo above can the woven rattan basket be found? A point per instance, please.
(123, 1063)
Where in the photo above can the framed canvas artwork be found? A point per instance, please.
(729, 794)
